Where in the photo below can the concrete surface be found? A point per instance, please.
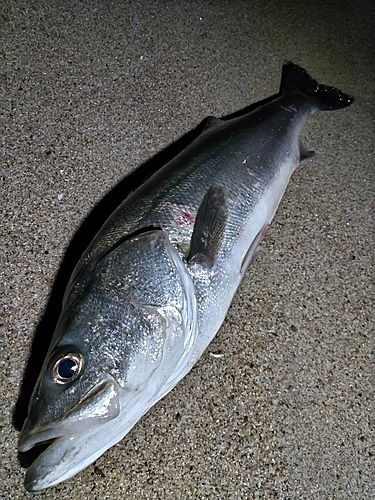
(90, 91)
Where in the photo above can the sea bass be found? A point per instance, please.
(154, 286)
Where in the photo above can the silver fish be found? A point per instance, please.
(154, 286)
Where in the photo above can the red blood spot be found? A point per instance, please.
(185, 219)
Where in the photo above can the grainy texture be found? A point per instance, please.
(91, 90)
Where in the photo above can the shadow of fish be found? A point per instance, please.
(154, 286)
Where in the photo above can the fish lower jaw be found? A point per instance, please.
(46, 471)
(66, 456)
(55, 462)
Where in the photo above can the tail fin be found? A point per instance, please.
(294, 78)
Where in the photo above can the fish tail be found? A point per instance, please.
(296, 79)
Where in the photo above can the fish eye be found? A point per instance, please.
(67, 368)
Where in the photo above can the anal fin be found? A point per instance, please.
(304, 154)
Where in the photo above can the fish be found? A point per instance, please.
(154, 286)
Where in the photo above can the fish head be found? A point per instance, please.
(65, 399)
(84, 393)
(113, 355)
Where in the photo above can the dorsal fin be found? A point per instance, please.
(211, 123)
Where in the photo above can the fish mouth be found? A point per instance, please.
(100, 405)
(56, 462)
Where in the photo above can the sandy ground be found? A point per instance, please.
(91, 91)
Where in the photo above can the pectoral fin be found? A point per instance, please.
(209, 227)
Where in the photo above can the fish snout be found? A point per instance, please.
(99, 406)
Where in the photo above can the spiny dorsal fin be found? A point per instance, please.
(209, 227)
